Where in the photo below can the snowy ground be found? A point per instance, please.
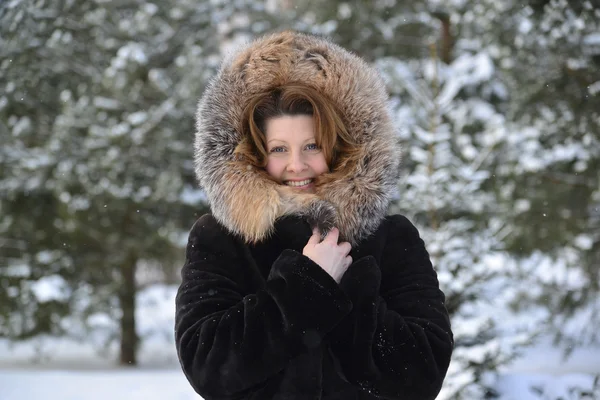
(94, 385)
(543, 374)
(74, 371)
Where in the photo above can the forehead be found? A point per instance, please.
(290, 127)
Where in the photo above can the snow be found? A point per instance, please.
(159, 383)
(95, 385)
(16, 270)
(52, 287)
(544, 358)
(192, 196)
(155, 323)
(106, 103)
(131, 51)
(531, 386)
(64, 369)
(522, 205)
(344, 11)
(22, 126)
(150, 8)
(466, 70)
(593, 89)
(137, 118)
(584, 242)
(592, 39)
(525, 26)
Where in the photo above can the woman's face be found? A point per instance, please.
(293, 156)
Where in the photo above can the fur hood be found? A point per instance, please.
(245, 201)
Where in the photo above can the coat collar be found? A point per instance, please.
(242, 198)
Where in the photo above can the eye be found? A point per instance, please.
(312, 146)
(277, 149)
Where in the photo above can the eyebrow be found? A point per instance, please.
(283, 141)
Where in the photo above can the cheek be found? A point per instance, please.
(320, 165)
(273, 168)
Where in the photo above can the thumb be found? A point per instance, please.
(315, 238)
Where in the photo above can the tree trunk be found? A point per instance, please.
(127, 293)
(446, 39)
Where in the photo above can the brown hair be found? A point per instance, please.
(331, 134)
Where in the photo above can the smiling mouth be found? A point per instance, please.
(303, 183)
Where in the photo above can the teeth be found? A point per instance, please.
(299, 183)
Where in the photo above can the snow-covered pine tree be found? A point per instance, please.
(98, 116)
(36, 268)
(544, 168)
(452, 126)
(554, 158)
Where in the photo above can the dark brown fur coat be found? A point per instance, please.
(255, 318)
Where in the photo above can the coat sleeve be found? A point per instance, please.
(397, 341)
(230, 342)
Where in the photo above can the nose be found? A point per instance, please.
(296, 163)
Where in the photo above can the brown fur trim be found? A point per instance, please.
(354, 197)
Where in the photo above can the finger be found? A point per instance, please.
(315, 238)
(345, 247)
(348, 261)
(333, 236)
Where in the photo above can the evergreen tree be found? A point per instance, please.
(553, 182)
(452, 127)
(98, 115)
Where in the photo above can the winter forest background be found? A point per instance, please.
(497, 103)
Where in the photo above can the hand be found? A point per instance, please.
(328, 254)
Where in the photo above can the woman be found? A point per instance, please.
(298, 286)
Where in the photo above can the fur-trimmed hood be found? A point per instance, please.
(245, 201)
